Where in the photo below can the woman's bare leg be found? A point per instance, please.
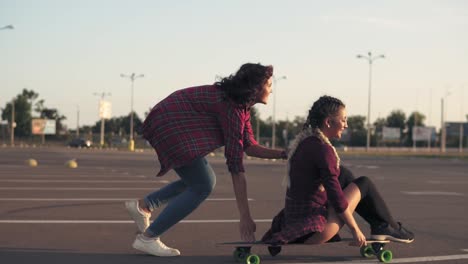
(334, 222)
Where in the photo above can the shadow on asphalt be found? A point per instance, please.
(67, 256)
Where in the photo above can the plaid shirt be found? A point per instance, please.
(312, 166)
(192, 122)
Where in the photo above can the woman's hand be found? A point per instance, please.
(359, 238)
(247, 228)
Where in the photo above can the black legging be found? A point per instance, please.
(371, 207)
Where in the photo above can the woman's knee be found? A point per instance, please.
(363, 183)
(202, 189)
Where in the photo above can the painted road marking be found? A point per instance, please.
(371, 167)
(82, 181)
(79, 176)
(119, 221)
(434, 193)
(398, 260)
(447, 182)
(100, 199)
(74, 188)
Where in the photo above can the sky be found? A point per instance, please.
(69, 51)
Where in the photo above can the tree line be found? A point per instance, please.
(28, 102)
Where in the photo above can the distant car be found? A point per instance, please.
(80, 143)
(118, 142)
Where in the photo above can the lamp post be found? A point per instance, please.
(7, 27)
(13, 123)
(101, 115)
(273, 128)
(77, 121)
(461, 132)
(132, 77)
(443, 131)
(370, 59)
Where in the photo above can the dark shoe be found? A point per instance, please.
(386, 232)
(274, 250)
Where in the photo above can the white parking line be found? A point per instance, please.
(120, 221)
(371, 167)
(99, 199)
(82, 181)
(436, 193)
(74, 188)
(447, 182)
(397, 260)
(27, 177)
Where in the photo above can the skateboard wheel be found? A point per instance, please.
(367, 251)
(238, 255)
(241, 253)
(385, 256)
(252, 259)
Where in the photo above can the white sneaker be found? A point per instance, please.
(141, 218)
(154, 247)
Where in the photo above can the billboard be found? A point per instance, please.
(453, 128)
(43, 126)
(423, 133)
(105, 109)
(390, 133)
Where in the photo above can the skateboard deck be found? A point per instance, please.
(242, 252)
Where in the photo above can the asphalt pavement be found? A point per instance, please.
(56, 214)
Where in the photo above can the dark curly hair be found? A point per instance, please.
(244, 86)
(324, 107)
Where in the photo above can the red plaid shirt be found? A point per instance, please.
(312, 165)
(192, 122)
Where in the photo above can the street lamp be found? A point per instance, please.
(442, 117)
(101, 114)
(13, 123)
(370, 59)
(132, 77)
(273, 130)
(77, 121)
(7, 27)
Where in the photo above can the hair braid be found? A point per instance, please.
(324, 107)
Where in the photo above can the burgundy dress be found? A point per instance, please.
(313, 187)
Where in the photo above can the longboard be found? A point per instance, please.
(242, 252)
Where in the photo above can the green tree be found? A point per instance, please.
(119, 125)
(415, 119)
(254, 118)
(357, 129)
(50, 113)
(379, 124)
(397, 118)
(23, 113)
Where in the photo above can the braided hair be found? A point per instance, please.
(324, 107)
(244, 86)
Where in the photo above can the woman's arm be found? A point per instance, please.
(265, 153)
(247, 225)
(348, 218)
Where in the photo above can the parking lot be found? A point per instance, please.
(55, 214)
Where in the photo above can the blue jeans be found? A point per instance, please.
(197, 180)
